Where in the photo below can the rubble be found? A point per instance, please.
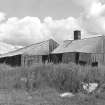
(90, 87)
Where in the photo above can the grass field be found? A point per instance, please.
(42, 85)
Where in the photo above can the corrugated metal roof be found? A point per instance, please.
(87, 45)
(41, 48)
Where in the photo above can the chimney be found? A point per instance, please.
(77, 35)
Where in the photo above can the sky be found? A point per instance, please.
(24, 22)
(57, 9)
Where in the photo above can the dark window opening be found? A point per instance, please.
(12, 61)
(77, 58)
(56, 58)
(52, 58)
(82, 63)
(94, 64)
(45, 58)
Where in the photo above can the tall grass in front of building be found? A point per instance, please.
(62, 77)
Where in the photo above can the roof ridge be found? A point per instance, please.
(87, 38)
(92, 37)
(84, 38)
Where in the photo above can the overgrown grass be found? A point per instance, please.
(62, 77)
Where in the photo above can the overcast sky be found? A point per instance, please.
(40, 8)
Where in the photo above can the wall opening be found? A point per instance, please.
(57, 58)
(94, 64)
(12, 60)
(83, 63)
(44, 58)
(77, 57)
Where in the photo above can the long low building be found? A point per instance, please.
(35, 53)
(87, 51)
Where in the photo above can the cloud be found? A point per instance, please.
(2, 16)
(93, 16)
(62, 29)
(30, 30)
(21, 31)
(5, 48)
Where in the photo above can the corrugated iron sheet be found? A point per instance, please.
(88, 45)
(41, 48)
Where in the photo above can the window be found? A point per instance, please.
(94, 64)
(82, 63)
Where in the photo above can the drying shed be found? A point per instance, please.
(35, 53)
(83, 51)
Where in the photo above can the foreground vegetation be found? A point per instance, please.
(43, 83)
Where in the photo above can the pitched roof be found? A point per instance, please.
(42, 48)
(87, 45)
